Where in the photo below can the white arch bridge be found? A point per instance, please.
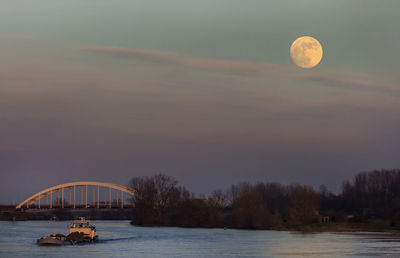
(77, 193)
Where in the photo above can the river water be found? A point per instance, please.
(120, 239)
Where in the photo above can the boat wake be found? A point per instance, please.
(115, 239)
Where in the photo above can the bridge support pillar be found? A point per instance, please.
(98, 196)
(122, 199)
(82, 195)
(51, 199)
(86, 196)
(62, 198)
(69, 197)
(39, 201)
(74, 197)
(109, 194)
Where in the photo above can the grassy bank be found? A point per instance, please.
(377, 226)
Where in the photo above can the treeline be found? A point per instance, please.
(160, 201)
(374, 194)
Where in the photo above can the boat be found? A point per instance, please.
(54, 239)
(80, 232)
(58, 239)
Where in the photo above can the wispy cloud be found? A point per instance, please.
(343, 82)
(213, 64)
(353, 82)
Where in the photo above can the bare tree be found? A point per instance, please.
(156, 198)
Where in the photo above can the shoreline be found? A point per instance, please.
(348, 227)
(315, 228)
(345, 227)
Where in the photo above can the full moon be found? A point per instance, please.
(306, 52)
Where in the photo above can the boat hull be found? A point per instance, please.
(85, 240)
(52, 241)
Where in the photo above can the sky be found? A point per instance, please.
(204, 91)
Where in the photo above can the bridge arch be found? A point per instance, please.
(35, 198)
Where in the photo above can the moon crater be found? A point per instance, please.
(306, 52)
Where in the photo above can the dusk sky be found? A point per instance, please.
(204, 91)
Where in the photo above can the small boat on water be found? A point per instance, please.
(80, 232)
(57, 239)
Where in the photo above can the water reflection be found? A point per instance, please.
(339, 245)
(119, 239)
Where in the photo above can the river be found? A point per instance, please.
(120, 239)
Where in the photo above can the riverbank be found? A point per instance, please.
(376, 226)
(66, 214)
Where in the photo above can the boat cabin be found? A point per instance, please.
(82, 226)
